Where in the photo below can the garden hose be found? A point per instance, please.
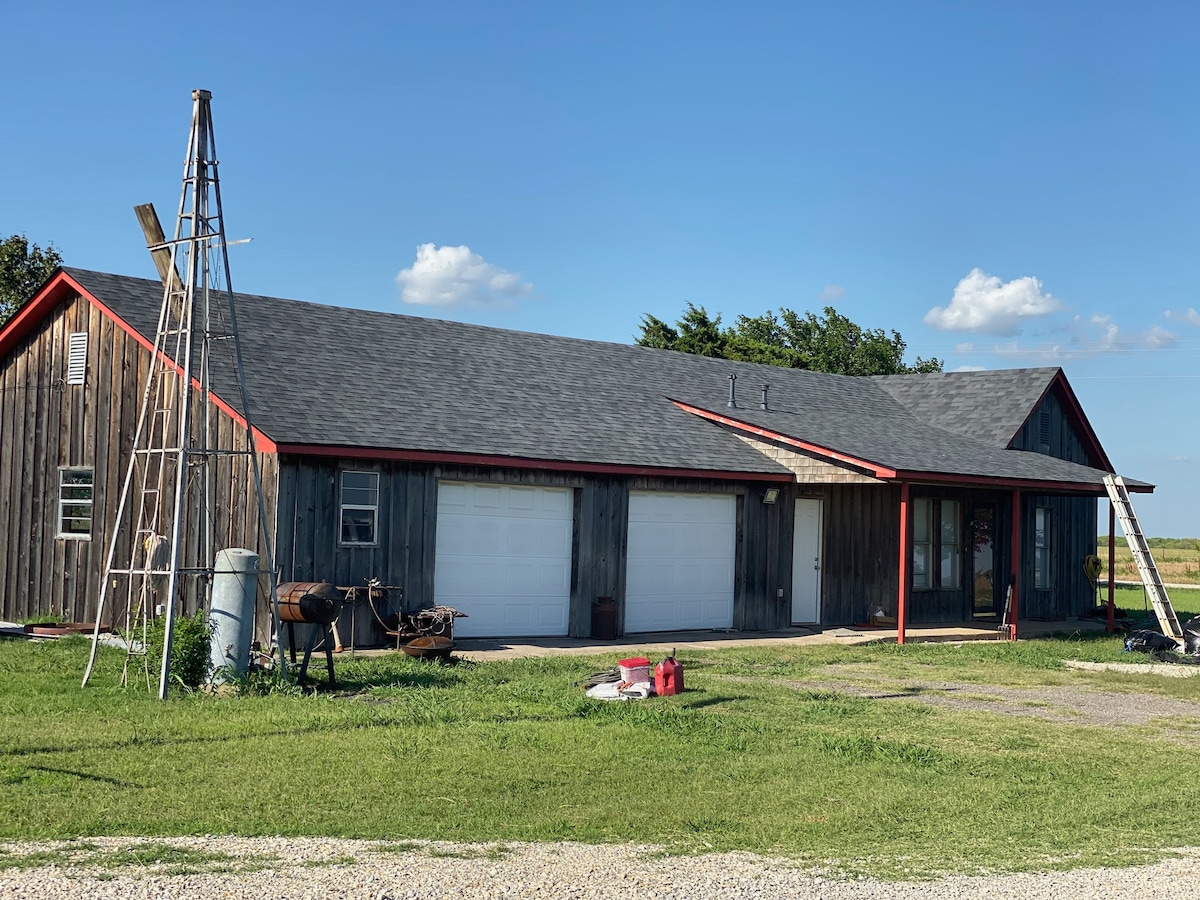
(1092, 564)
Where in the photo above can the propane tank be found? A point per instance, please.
(668, 677)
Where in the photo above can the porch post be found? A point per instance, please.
(1016, 562)
(902, 598)
(1112, 547)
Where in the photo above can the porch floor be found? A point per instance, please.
(661, 643)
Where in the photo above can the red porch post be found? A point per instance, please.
(902, 599)
(1016, 562)
(1112, 547)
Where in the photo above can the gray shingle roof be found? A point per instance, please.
(346, 377)
(990, 406)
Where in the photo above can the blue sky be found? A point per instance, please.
(1028, 169)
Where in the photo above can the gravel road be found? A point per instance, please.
(318, 868)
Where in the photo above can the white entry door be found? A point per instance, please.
(680, 561)
(504, 558)
(806, 562)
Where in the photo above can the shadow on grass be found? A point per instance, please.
(86, 776)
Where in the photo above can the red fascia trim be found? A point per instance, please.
(519, 462)
(877, 470)
(33, 311)
(262, 443)
(1022, 483)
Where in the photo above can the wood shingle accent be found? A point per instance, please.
(808, 469)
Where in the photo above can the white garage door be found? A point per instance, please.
(680, 572)
(504, 558)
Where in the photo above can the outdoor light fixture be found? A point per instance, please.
(770, 495)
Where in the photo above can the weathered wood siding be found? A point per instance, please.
(45, 424)
(309, 550)
(861, 553)
(1073, 524)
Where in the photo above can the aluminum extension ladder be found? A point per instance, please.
(1118, 493)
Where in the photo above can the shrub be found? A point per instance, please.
(190, 664)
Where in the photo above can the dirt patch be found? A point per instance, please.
(1068, 704)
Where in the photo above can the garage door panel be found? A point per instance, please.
(504, 558)
(680, 561)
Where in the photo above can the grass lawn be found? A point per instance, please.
(507, 751)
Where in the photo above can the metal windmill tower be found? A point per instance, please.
(164, 538)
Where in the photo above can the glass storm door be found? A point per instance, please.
(983, 560)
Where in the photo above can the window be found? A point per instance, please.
(936, 536)
(1041, 549)
(75, 503)
(360, 507)
(76, 357)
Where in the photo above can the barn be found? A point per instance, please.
(519, 476)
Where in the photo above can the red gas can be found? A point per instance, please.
(668, 677)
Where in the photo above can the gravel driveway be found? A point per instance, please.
(320, 867)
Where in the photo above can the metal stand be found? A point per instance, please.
(314, 629)
(170, 478)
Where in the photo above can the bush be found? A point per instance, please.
(190, 664)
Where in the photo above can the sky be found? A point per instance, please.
(1004, 183)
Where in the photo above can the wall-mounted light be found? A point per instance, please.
(770, 495)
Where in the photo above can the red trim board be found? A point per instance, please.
(520, 462)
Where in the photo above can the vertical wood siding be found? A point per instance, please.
(404, 555)
(45, 424)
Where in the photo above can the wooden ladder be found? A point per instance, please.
(1118, 493)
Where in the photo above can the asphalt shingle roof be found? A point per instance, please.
(346, 377)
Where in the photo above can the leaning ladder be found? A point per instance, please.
(1118, 493)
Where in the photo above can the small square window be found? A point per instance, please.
(359, 507)
(75, 494)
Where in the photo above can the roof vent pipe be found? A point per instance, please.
(765, 388)
(732, 404)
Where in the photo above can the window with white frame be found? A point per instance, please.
(1041, 549)
(937, 545)
(360, 507)
(75, 495)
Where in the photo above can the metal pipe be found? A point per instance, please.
(902, 599)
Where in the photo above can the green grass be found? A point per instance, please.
(508, 751)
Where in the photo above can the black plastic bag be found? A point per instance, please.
(1191, 635)
(1146, 641)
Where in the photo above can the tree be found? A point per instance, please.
(24, 267)
(829, 343)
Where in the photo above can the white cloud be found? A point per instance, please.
(1096, 335)
(1190, 316)
(985, 304)
(833, 292)
(455, 276)
(968, 368)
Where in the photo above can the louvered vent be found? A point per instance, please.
(1044, 430)
(76, 357)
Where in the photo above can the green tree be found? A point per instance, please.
(24, 267)
(828, 343)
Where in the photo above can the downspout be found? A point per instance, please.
(1112, 548)
(1016, 562)
(902, 593)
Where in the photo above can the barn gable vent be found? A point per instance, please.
(1044, 431)
(76, 357)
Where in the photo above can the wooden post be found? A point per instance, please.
(902, 599)
(1016, 562)
(1112, 554)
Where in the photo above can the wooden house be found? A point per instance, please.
(519, 476)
